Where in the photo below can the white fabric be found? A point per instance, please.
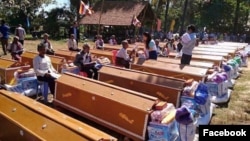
(43, 65)
(185, 38)
(122, 53)
(72, 44)
(187, 132)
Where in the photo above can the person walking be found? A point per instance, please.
(20, 33)
(75, 31)
(4, 30)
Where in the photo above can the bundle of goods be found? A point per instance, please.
(163, 125)
(230, 74)
(70, 67)
(235, 63)
(186, 123)
(199, 103)
(25, 82)
(217, 84)
(242, 56)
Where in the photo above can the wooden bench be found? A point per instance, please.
(124, 111)
(68, 55)
(22, 118)
(172, 70)
(193, 63)
(7, 69)
(27, 58)
(217, 60)
(164, 88)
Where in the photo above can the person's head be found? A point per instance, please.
(41, 48)
(75, 24)
(72, 36)
(99, 37)
(19, 25)
(125, 44)
(3, 22)
(15, 39)
(45, 36)
(113, 37)
(191, 28)
(157, 41)
(86, 48)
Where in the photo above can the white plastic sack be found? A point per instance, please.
(223, 99)
(187, 132)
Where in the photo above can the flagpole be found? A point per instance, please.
(99, 22)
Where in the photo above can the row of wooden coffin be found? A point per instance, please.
(117, 108)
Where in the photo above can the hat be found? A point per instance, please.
(184, 116)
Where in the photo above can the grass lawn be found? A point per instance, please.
(237, 111)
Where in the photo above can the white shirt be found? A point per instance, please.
(86, 58)
(72, 44)
(112, 42)
(122, 53)
(14, 47)
(43, 65)
(20, 32)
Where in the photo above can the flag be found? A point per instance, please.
(136, 22)
(27, 22)
(82, 9)
(85, 9)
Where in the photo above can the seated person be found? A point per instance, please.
(16, 49)
(48, 45)
(44, 69)
(72, 44)
(112, 40)
(157, 43)
(84, 61)
(122, 57)
(99, 43)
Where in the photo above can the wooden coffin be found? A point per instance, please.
(172, 70)
(102, 53)
(203, 58)
(230, 51)
(117, 47)
(23, 119)
(193, 63)
(124, 111)
(7, 69)
(68, 55)
(28, 56)
(223, 54)
(164, 88)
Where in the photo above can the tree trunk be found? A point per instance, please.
(236, 18)
(183, 16)
(166, 15)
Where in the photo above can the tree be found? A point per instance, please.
(16, 11)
